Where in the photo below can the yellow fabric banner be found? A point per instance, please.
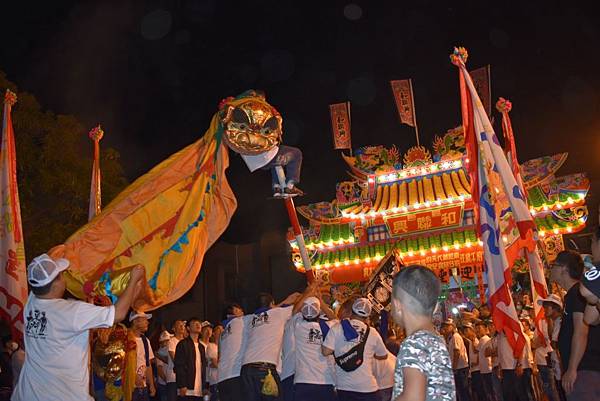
(165, 221)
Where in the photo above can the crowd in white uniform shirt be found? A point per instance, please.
(300, 350)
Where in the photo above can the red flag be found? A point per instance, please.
(481, 80)
(403, 95)
(95, 189)
(13, 276)
(539, 288)
(340, 125)
(496, 187)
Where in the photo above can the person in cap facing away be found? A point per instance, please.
(231, 349)
(354, 345)
(423, 368)
(313, 378)
(56, 333)
(162, 355)
(144, 379)
(553, 309)
(459, 358)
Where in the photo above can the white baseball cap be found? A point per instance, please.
(555, 299)
(311, 307)
(362, 307)
(206, 323)
(165, 335)
(43, 269)
(135, 314)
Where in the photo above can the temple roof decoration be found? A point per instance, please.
(431, 189)
(421, 209)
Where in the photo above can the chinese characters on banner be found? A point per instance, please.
(481, 80)
(404, 101)
(340, 125)
(426, 220)
(468, 262)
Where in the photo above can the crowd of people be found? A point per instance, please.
(302, 350)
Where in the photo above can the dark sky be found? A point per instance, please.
(152, 73)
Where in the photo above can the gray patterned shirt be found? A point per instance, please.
(427, 352)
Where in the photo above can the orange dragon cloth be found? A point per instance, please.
(165, 220)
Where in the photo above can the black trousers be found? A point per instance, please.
(231, 389)
(253, 376)
(517, 388)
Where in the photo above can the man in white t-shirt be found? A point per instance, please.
(190, 363)
(288, 358)
(343, 341)
(472, 344)
(57, 334)
(262, 354)
(162, 355)
(231, 351)
(484, 363)
(212, 357)
(144, 377)
(314, 374)
(179, 332)
(459, 358)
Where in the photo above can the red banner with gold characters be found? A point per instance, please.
(481, 80)
(468, 262)
(432, 219)
(404, 101)
(340, 125)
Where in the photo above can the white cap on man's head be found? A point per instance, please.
(362, 307)
(135, 314)
(206, 323)
(553, 298)
(165, 335)
(311, 307)
(43, 269)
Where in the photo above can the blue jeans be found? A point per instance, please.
(287, 386)
(291, 159)
(547, 383)
(461, 380)
(172, 391)
(477, 391)
(252, 382)
(140, 394)
(314, 392)
(161, 390)
(386, 394)
(492, 388)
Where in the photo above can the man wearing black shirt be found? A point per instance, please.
(578, 343)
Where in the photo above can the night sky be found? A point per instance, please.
(152, 73)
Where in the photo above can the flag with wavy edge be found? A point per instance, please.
(498, 191)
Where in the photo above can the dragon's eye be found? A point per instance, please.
(271, 125)
(240, 117)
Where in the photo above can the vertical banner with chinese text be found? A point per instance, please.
(481, 80)
(340, 125)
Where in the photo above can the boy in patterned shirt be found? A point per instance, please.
(423, 367)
